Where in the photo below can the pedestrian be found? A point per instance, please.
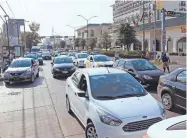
(116, 55)
(148, 55)
(165, 62)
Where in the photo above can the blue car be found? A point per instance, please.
(33, 56)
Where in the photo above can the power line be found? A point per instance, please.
(10, 9)
(3, 10)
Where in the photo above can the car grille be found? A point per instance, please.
(108, 65)
(17, 74)
(64, 69)
(140, 125)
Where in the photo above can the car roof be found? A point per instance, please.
(101, 71)
(21, 58)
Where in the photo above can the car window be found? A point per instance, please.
(101, 58)
(20, 63)
(121, 63)
(143, 65)
(182, 77)
(91, 58)
(83, 84)
(60, 60)
(178, 126)
(76, 78)
(121, 85)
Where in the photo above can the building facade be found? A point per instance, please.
(94, 31)
(132, 12)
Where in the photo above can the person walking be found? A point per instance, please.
(165, 62)
(116, 55)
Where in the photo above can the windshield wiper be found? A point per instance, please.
(130, 95)
(106, 97)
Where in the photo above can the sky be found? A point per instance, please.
(58, 13)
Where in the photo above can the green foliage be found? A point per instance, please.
(106, 41)
(83, 43)
(62, 44)
(92, 43)
(126, 35)
(77, 42)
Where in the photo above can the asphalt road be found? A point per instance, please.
(38, 110)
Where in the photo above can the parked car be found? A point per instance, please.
(46, 56)
(111, 100)
(170, 128)
(172, 89)
(62, 66)
(40, 59)
(33, 56)
(80, 59)
(98, 61)
(95, 53)
(21, 70)
(141, 69)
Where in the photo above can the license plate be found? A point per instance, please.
(64, 71)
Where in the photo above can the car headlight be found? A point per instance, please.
(56, 69)
(72, 69)
(147, 77)
(6, 74)
(108, 119)
(28, 72)
(162, 110)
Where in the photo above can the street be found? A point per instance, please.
(38, 110)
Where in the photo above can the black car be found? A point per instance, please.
(40, 59)
(143, 70)
(62, 66)
(172, 89)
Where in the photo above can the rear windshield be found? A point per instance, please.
(62, 60)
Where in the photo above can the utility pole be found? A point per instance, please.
(163, 30)
(8, 45)
(154, 9)
(143, 47)
(18, 34)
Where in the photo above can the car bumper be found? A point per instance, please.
(61, 73)
(105, 131)
(46, 57)
(17, 79)
(149, 82)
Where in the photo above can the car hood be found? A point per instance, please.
(63, 65)
(105, 63)
(21, 69)
(81, 59)
(130, 107)
(151, 73)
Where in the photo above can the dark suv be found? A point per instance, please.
(172, 89)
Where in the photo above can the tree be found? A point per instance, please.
(77, 42)
(106, 40)
(62, 44)
(126, 35)
(92, 43)
(83, 43)
(34, 27)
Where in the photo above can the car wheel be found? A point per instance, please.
(37, 75)
(68, 106)
(7, 83)
(32, 78)
(167, 101)
(90, 131)
(54, 76)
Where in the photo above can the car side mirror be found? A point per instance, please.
(52, 63)
(83, 94)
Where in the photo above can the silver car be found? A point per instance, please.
(21, 70)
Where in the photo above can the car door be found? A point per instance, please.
(72, 90)
(180, 89)
(129, 68)
(82, 102)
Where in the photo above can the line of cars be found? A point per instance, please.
(110, 102)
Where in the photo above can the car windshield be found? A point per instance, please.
(31, 56)
(62, 60)
(121, 85)
(142, 65)
(101, 58)
(46, 54)
(82, 55)
(20, 63)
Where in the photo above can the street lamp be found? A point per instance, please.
(8, 45)
(74, 34)
(87, 24)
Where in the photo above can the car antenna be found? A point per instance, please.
(108, 70)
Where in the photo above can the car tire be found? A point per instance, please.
(7, 83)
(38, 74)
(54, 76)
(167, 101)
(32, 78)
(68, 106)
(90, 131)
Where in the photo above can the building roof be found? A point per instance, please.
(94, 25)
(169, 23)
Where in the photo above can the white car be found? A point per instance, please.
(80, 59)
(98, 61)
(170, 128)
(110, 103)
